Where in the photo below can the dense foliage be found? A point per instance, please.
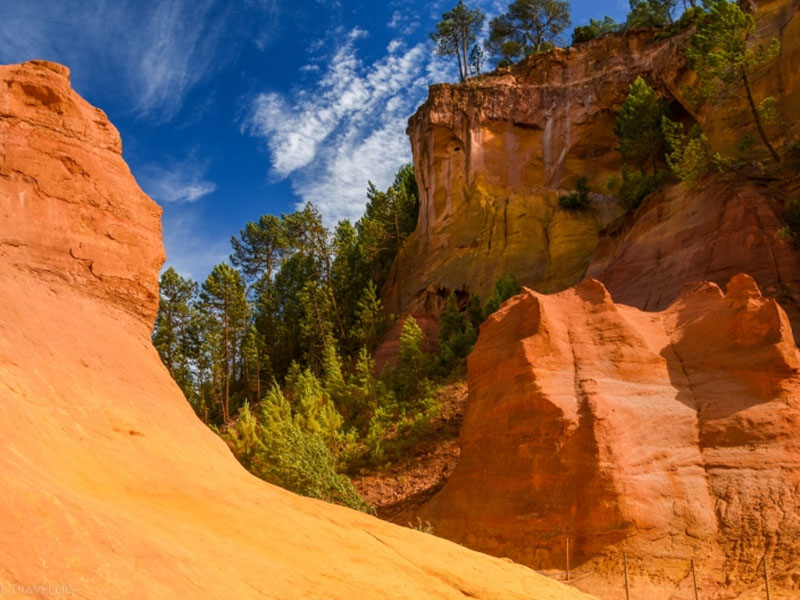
(594, 30)
(274, 350)
(528, 27)
(722, 57)
(641, 142)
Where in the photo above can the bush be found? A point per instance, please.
(277, 449)
(636, 186)
(579, 199)
(689, 157)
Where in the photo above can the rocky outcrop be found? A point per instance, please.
(708, 233)
(493, 155)
(670, 435)
(111, 487)
(71, 212)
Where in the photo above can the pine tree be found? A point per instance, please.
(223, 302)
(260, 248)
(349, 276)
(721, 56)
(412, 361)
(641, 139)
(388, 220)
(456, 33)
(529, 27)
(371, 322)
(172, 331)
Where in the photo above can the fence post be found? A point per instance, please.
(627, 588)
(567, 558)
(766, 575)
(694, 580)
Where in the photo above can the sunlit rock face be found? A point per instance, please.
(492, 157)
(668, 435)
(111, 487)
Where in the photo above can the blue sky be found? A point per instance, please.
(232, 109)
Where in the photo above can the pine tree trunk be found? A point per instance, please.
(775, 156)
(226, 399)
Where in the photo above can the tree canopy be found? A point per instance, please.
(528, 27)
(594, 30)
(457, 33)
(722, 57)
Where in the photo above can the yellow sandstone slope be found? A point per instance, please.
(111, 488)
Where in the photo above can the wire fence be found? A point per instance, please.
(760, 581)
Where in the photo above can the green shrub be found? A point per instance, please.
(636, 186)
(689, 157)
(276, 448)
(579, 199)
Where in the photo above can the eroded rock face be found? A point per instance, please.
(71, 212)
(493, 155)
(689, 234)
(111, 487)
(670, 435)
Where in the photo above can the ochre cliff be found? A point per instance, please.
(686, 234)
(493, 155)
(111, 488)
(670, 435)
(70, 210)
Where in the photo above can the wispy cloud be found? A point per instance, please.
(181, 182)
(191, 255)
(348, 128)
(152, 53)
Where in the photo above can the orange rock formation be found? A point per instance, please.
(687, 235)
(111, 488)
(493, 155)
(670, 435)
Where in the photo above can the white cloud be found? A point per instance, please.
(150, 53)
(404, 21)
(192, 255)
(182, 182)
(348, 128)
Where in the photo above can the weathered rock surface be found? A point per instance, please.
(690, 234)
(493, 155)
(111, 488)
(670, 435)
